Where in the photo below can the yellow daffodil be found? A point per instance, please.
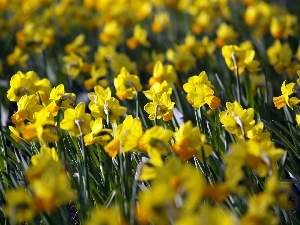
(155, 138)
(18, 56)
(112, 33)
(127, 85)
(20, 205)
(157, 89)
(183, 61)
(126, 138)
(98, 77)
(48, 181)
(77, 46)
(237, 120)
(139, 38)
(161, 21)
(259, 156)
(121, 60)
(163, 73)
(189, 141)
(199, 92)
(257, 133)
(282, 26)
(76, 121)
(20, 84)
(280, 55)
(108, 109)
(74, 65)
(104, 215)
(26, 109)
(285, 98)
(43, 128)
(237, 58)
(161, 107)
(98, 134)
(225, 35)
(60, 99)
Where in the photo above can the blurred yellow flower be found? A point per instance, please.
(18, 56)
(162, 73)
(127, 85)
(189, 141)
(280, 55)
(103, 215)
(282, 26)
(156, 138)
(111, 33)
(259, 156)
(183, 61)
(139, 38)
(19, 205)
(77, 46)
(225, 35)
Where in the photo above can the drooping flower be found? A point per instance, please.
(99, 134)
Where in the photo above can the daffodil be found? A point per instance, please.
(74, 65)
(286, 98)
(155, 138)
(163, 73)
(183, 61)
(98, 77)
(43, 128)
(282, 26)
(280, 55)
(259, 156)
(139, 38)
(98, 134)
(121, 60)
(111, 33)
(199, 91)
(18, 56)
(108, 109)
(161, 21)
(76, 121)
(127, 85)
(60, 99)
(189, 141)
(126, 137)
(237, 120)
(225, 35)
(26, 108)
(161, 107)
(237, 58)
(157, 89)
(78, 46)
(103, 215)
(257, 133)
(20, 205)
(20, 84)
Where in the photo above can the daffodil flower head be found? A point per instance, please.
(163, 73)
(286, 97)
(237, 120)
(78, 46)
(127, 85)
(20, 84)
(76, 121)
